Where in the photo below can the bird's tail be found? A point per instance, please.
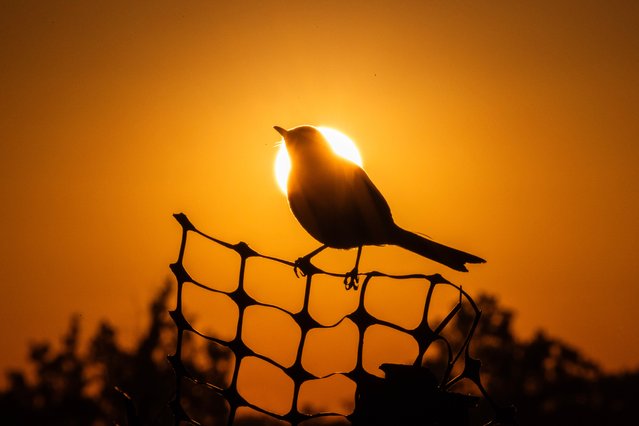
(453, 258)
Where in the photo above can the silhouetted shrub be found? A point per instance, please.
(548, 381)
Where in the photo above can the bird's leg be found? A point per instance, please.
(304, 263)
(352, 278)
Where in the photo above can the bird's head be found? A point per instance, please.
(304, 142)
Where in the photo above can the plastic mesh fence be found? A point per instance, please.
(423, 334)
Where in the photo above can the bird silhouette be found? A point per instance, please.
(337, 204)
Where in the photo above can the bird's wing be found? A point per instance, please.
(375, 221)
(381, 206)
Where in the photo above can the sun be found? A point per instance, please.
(341, 144)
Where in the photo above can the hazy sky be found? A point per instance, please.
(507, 129)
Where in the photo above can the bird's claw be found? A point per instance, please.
(351, 279)
(302, 265)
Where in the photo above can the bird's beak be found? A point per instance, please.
(281, 131)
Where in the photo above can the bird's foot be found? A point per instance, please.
(303, 266)
(351, 279)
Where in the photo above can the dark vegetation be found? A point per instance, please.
(548, 381)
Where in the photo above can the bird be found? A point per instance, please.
(336, 202)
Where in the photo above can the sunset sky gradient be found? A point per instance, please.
(506, 129)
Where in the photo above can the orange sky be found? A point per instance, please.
(507, 130)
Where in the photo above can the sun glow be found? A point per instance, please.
(341, 144)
